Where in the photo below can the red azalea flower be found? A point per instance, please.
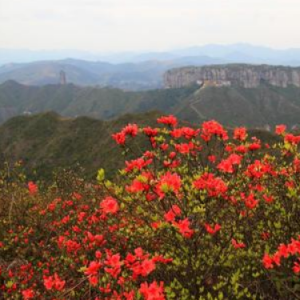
(267, 262)
(28, 294)
(32, 188)
(184, 227)
(168, 120)
(211, 128)
(150, 131)
(240, 133)
(280, 129)
(237, 245)
(296, 267)
(152, 291)
(54, 282)
(148, 266)
(120, 138)
(211, 230)
(214, 186)
(130, 129)
(109, 205)
(93, 268)
(168, 182)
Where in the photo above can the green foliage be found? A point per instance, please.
(47, 143)
(207, 213)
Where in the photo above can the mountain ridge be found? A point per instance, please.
(47, 143)
(131, 70)
(261, 106)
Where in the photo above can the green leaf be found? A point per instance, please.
(9, 284)
(100, 175)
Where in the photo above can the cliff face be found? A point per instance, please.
(247, 76)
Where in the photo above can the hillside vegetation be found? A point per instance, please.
(47, 142)
(232, 105)
(256, 107)
(70, 100)
(200, 213)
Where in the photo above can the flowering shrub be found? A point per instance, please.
(202, 213)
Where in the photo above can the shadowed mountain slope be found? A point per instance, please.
(264, 105)
(47, 141)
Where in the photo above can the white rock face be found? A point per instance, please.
(247, 76)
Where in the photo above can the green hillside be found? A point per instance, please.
(47, 142)
(263, 106)
(71, 100)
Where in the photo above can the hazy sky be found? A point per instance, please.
(104, 25)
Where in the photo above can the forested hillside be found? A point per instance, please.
(265, 105)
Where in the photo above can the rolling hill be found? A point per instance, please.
(264, 105)
(70, 100)
(47, 143)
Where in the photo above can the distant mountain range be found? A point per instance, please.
(130, 70)
(264, 105)
(128, 76)
(233, 53)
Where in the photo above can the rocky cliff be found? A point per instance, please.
(247, 76)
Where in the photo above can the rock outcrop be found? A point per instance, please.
(247, 76)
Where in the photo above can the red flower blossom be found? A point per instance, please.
(280, 129)
(240, 133)
(296, 267)
(267, 262)
(137, 186)
(54, 282)
(250, 200)
(211, 230)
(168, 120)
(237, 245)
(184, 227)
(254, 146)
(32, 188)
(215, 186)
(150, 131)
(172, 213)
(120, 138)
(211, 128)
(114, 264)
(268, 199)
(93, 268)
(93, 280)
(130, 129)
(184, 148)
(168, 182)
(293, 139)
(258, 169)
(28, 294)
(152, 291)
(109, 205)
(137, 164)
(283, 251)
(148, 266)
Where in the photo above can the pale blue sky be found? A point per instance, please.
(118, 25)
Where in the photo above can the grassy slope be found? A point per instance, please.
(71, 100)
(47, 141)
(253, 107)
(230, 105)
